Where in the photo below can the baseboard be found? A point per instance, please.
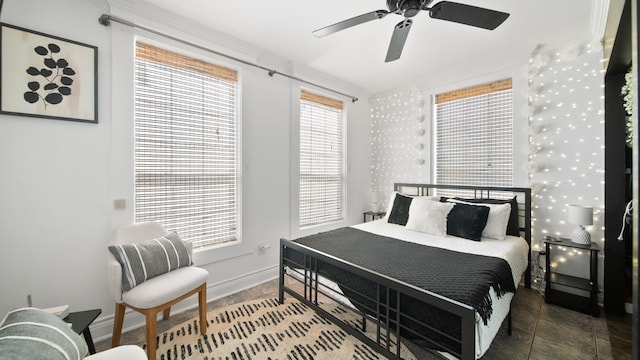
(102, 328)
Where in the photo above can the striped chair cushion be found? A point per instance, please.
(31, 333)
(147, 259)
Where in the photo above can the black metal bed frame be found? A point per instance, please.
(390, 318)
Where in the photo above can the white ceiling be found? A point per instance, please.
(436, 51)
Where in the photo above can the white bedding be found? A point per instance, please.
(512, 249)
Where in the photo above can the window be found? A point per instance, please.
(185, 145)
(321, 160)
(474, 135)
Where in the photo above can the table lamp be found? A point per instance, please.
(375, 200)
(581, 216)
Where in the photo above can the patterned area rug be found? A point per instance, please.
(265, 329)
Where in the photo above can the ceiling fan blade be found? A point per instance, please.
(399, 37)
(468, 15)
(374, 15)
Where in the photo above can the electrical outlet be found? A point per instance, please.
(120, 204)
(264, 246)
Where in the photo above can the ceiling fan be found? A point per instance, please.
(444, 10)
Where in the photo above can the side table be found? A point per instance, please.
(587, 304)
(80, 321)
(373, 214)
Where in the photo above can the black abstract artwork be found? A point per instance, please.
(47, 76)
(53, 81)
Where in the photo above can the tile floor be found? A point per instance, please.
(540, 331)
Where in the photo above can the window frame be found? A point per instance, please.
(296, 229)
(122, 144)
(481, 89)
(157, 120)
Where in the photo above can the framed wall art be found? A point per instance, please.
(47, 76)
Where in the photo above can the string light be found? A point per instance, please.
(566, 157)
(398, 139)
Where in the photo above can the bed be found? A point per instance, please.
(378, 270)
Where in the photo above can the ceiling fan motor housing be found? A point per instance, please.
(407, 8)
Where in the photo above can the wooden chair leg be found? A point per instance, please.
(117, 324)
(166, 313)
(202, 304)
(151, 332)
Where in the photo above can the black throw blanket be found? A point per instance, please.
(463, 277)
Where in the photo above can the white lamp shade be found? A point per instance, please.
(580, 215)
(375, 197)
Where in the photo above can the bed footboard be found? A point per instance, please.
(300, 269)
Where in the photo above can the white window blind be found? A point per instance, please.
(185, 145)
(321, 160)
(474, 135)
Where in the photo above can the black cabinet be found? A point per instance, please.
(554, 291)
(618, 170)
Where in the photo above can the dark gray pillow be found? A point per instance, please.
(513, 226)
(400, 211)
(147, 259)
(467, 221)
(31, 333)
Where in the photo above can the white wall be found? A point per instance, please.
(401, 145)
(566, 125)
(54, 212)
(59, 178)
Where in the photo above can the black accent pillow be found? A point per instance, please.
(513, 226)
(400, 211)
(467, 221)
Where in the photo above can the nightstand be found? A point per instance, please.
(80, 321)
(373, 214)
(553, 295)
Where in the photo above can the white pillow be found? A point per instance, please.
(496, 227)
(389, 206)
(428, 216)
(392, 198)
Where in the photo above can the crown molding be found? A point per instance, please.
(599, 17)
(324, 79)
(147, 14)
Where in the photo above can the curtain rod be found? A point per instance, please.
(105, 20)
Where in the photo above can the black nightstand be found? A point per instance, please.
(373, 214)
(587, 304)
(80, 321)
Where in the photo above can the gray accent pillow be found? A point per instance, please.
(34, 334)
(147, 259)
